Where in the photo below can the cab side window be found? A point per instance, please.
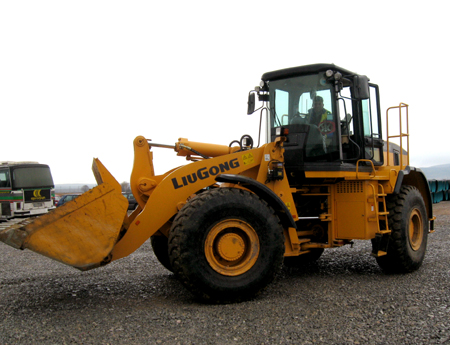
(282, 107)
(346, 114)
(370, 115)
(372, 128)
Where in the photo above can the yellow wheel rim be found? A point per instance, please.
(415, 229)
(232, 247)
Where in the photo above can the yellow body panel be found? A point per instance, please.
(355, 207)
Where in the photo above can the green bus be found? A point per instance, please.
(26, 189)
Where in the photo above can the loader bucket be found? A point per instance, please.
(81, 233)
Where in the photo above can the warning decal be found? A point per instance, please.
(248, 159)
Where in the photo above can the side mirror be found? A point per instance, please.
(361, 87)
(251, 103)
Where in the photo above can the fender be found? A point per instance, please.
(264, 193)
(415, 177)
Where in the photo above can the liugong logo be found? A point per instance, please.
(204, 173)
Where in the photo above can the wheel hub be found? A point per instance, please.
(415, 230)
(232, 247)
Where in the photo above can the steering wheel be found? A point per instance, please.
(327, 127)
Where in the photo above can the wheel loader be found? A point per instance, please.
(227, 221)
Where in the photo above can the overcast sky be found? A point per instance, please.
(81, 79)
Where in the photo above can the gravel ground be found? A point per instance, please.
(343, 299)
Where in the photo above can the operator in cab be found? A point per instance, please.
(318, 114)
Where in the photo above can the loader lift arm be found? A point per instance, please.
(95, 229)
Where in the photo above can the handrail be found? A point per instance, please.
(370, 162)
(401, 135)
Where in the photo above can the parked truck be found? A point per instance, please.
(226, 222)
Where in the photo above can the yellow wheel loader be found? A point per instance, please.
(226, 222)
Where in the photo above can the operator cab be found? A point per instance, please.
(332, 116)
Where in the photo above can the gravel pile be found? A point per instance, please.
(343, 299)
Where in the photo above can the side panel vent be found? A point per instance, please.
(350, 187)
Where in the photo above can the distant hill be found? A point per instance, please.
(71, 187)
(76, 188)
(437, 172)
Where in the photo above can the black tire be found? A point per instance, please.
(304, 259)
(226, 245)
(160, 245)
(408, 222)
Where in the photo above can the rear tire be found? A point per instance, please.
(160, 245)
(408, 223)
(226, 245)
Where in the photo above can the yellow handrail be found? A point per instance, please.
(368, 161)
(401, 135)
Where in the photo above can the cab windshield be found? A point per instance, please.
(306, 104)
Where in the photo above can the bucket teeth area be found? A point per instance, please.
(81, 233)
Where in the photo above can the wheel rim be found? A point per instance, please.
(415, 229)
(232, 247)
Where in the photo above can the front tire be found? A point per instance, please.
(408, 223)
(226, 245)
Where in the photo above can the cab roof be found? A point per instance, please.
(304, 70)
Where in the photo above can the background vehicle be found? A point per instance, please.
(66, 198)
(225, 223)
(132, 203)
(26, 189)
